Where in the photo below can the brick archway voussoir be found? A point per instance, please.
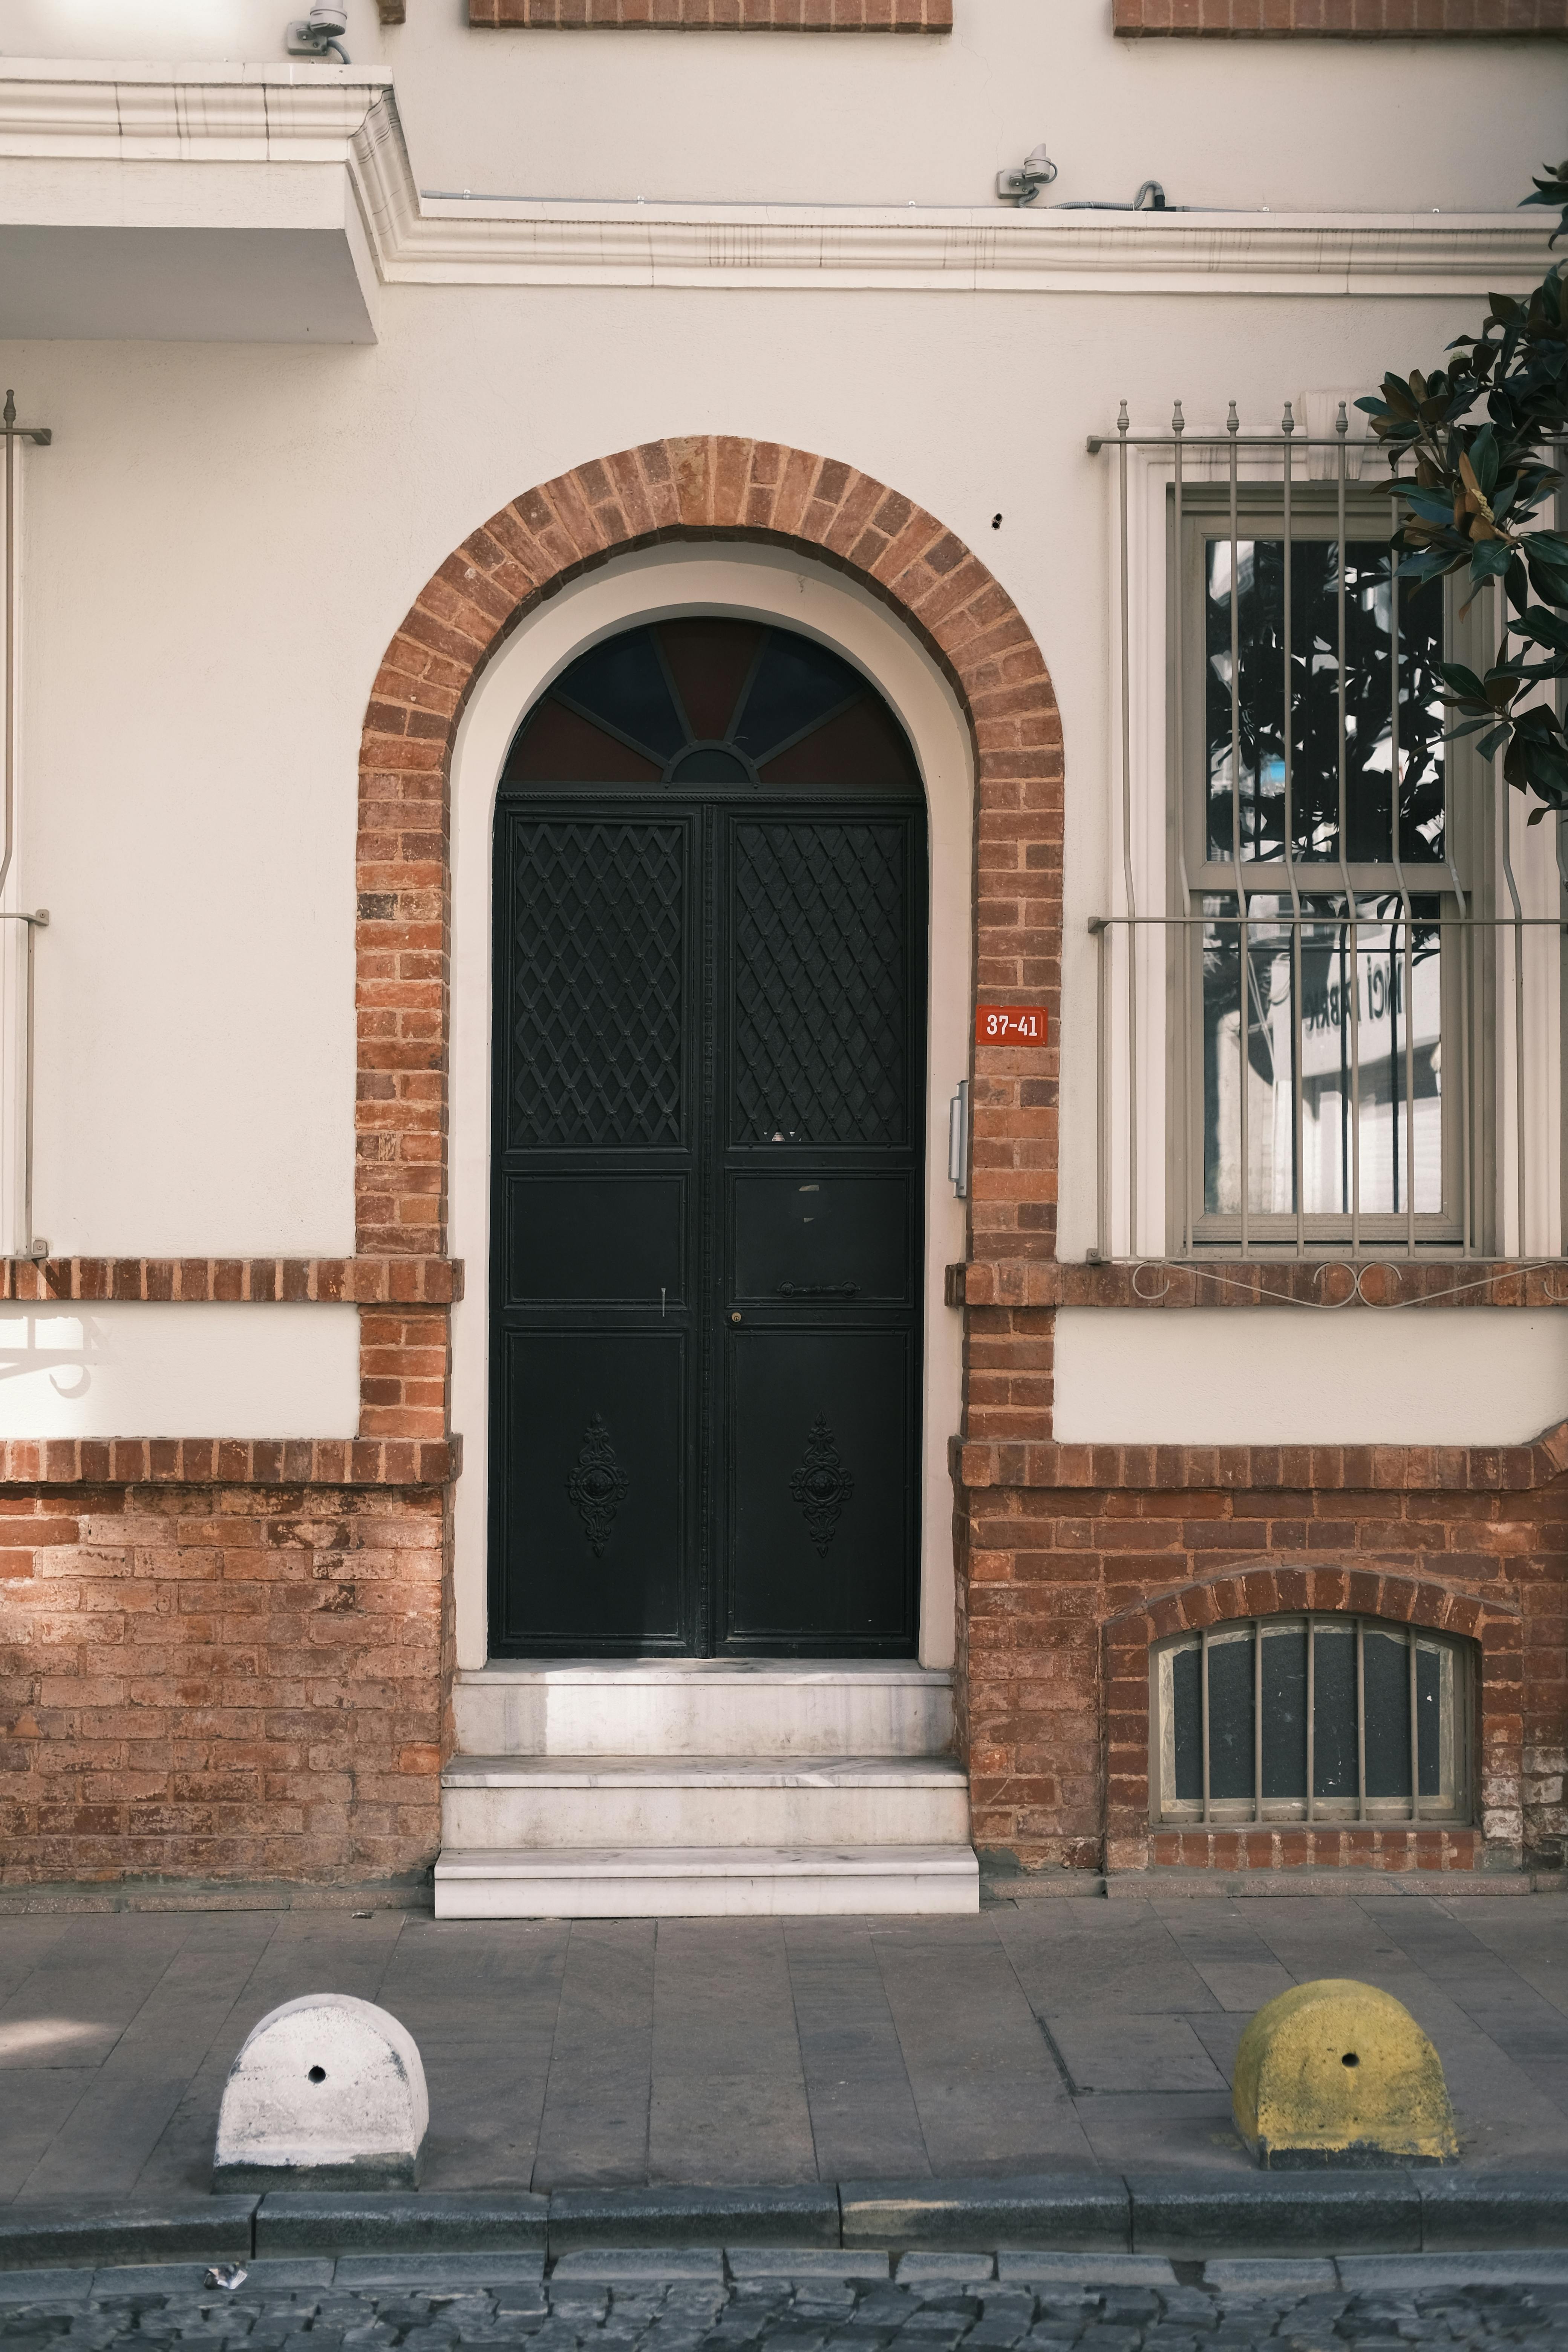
(688, 487)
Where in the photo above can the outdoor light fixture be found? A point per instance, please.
(1023, 186)
(313, 36)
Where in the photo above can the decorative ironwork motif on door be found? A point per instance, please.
(598, 1486)
(596, 985)
(820, 922)
(821, 1486)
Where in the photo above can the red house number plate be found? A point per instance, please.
(1009, 1024)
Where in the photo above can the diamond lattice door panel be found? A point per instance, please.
(708, 1086)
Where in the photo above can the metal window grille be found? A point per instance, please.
(1311, 1718)
(1355, 983)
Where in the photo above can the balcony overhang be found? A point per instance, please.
(275, 204)
(185, 204)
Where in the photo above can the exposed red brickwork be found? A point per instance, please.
(231, 1461)
(1294, 1468)
(220, 1683)
(699, 489)
(1356, 20)
(404, 1365)
(1065, 1587)
(722, 16)
(1319, 1849)
(233, 1280)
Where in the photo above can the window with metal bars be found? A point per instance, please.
(1321, 851)
(1311, 1718)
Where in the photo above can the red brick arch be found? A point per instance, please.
(1492, 1621)
(718, 488)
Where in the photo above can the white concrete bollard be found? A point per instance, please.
(327, 2093)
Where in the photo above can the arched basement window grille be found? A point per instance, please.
(1311, 1718)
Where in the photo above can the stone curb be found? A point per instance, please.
(1186, 2216)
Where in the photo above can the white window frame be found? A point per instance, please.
(1517, 1102)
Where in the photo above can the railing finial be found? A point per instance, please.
(1178, 422)
(1233, 422)
(1342, 422)
(1122, 419)
(1287, 421)
(8, 415)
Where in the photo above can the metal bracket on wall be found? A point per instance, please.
(41, 436)
(34, 1245)
(958, 1140)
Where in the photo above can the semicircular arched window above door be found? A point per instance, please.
(707, 701)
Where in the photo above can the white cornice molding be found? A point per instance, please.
(284, 115)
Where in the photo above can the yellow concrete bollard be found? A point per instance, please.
(1337, 2072)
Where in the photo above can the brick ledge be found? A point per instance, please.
(229, 1462)
(1338, 20)
(361, 1281)
(718, 15)
(1293, 1469)
(1257, 1281)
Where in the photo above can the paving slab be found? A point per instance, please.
(1037, 2037)
(438, 2270)
(814, 2264)
(658, 2265)
(1426, 2273)
(1268, 2274)
(1019, 2268)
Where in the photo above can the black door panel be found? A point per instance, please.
(708, 1122)
(822, 1490)
(822, 1235)
(594, 1476)
(596, 1238)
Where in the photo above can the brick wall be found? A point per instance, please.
(225, 1681)
(1066, 1585)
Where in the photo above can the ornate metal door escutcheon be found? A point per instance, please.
(598, 1486)
(821, 1486)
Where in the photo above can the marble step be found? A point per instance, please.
(544, 1803)
(703, 1706)
(705, 1882)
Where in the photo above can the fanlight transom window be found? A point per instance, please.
(1311, 1718)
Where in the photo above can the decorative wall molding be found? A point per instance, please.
(289, 118)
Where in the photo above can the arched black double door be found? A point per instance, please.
(709, 1103)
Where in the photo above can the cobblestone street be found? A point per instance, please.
(776, 2314)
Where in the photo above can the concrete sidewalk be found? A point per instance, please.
(1039, 2036)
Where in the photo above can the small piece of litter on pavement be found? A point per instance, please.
(359, 1915)
(228, 2274)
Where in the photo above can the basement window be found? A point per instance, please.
(1311, 1719)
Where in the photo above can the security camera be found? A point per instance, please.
(313, 36)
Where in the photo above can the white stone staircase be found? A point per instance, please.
(675, 1788)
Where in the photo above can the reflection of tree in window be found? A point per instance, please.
(1315, 705)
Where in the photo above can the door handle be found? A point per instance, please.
(819, 1290)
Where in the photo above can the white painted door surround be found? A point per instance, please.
(766, 585)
